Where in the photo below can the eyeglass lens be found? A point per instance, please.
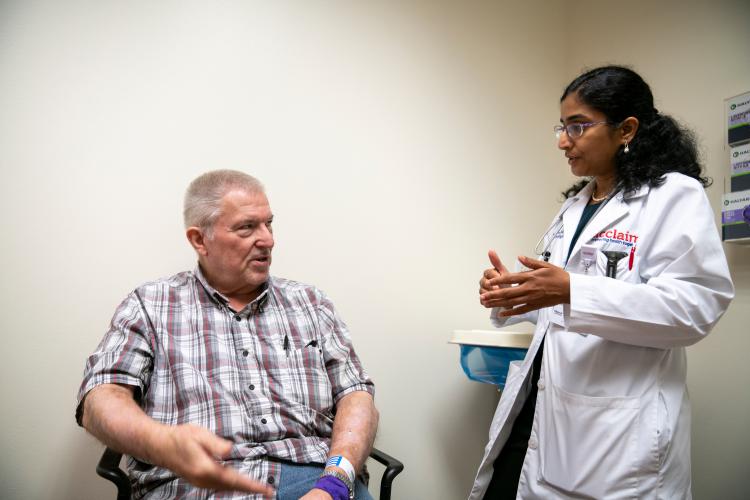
(572, 129)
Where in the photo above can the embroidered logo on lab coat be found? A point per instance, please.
(614, 235)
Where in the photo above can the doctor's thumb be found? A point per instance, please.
(532, 263)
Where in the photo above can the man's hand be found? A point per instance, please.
(544, 286)
(193, 452)
(316, 494)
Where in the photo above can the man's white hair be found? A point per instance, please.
(203, 196)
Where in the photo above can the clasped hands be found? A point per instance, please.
(545, 285)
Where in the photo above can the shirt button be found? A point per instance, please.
(245, 352)
(271, 479)
(263, 421)
(532, 443)
(252, 388)
(540, 385)
(238, 317)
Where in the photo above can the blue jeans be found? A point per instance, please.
(297, 479)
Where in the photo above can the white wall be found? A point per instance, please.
(694, 55)
(398, 140)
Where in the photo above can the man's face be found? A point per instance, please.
(236, 258)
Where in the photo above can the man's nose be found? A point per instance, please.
(265, 238)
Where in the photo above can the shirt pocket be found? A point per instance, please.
(308, 381)
(588, 445)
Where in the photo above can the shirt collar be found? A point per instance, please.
(256, 304)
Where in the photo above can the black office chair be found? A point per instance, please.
(109, 468)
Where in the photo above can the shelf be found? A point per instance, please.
(739, 241)
(492, 338)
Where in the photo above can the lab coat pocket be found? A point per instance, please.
(624, 262)
(664, 432)
(588, 444)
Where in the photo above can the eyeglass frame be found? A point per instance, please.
(582, 125)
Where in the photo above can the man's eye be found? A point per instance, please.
(246, 228)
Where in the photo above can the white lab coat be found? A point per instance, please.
(612, 416)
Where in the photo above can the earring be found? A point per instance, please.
(627, 148)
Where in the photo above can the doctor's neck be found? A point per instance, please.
(603, 187)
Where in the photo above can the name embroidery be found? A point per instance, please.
(614, 235)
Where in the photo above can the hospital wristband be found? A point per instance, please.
(342, 463)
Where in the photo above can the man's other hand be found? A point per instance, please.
(316, 494)
(193, 453)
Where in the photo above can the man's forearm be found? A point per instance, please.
(354, 428)
(112, 416)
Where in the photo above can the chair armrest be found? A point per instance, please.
(393, 468)
(109, 468)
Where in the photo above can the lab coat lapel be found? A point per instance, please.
(610, 213)
(616, 209)
(571, 216)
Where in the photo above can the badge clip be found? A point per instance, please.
(588, 257)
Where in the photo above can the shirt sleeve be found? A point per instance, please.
(684, 287)
(124, 356)
(345, 371)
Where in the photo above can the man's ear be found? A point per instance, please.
(197, 240)
(628, 128)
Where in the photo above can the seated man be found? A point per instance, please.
(226, 379)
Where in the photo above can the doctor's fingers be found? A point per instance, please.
(484, 282)
(528, 299)
(507, 279)
(490, 273)
(500, 296)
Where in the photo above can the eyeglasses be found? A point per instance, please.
(574, 130)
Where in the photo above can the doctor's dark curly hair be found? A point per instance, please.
(660, 145)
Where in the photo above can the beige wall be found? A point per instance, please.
(398, 141)
(694, 55)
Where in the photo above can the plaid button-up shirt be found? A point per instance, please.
(267, 377)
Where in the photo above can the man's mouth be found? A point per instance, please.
(260, 259)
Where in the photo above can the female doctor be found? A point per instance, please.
(631, 271)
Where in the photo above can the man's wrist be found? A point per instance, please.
(157, 439)
(340, 462)
(335, 484)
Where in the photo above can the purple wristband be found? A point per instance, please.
(333, 486)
